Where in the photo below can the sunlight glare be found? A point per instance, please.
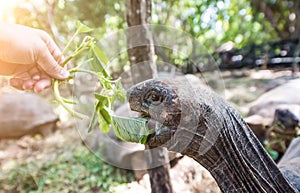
(6, 10)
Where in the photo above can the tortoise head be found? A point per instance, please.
(287, 118)
(156, 99)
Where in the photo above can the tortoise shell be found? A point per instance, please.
(24, 113)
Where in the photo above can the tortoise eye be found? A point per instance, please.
(155, 98)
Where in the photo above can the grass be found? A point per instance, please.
(81, 171)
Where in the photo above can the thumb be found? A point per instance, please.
(46, 61)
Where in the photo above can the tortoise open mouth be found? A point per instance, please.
(151, 122)
(145, 115)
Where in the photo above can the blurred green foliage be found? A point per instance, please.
(80, 171)
(212, 22)
(282, 15)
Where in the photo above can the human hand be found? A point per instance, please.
(30, 56)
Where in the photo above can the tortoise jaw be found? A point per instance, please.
(145, 115)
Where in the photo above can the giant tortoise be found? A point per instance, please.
(198, 123)
(25, 113)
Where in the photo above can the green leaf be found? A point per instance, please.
(143, 139)
(120, 92)
(103, 124)
(106, 82)
(99, 61)
(274, 154)
(81, 28)
(105, 113)
(101, 113)
(104, 100)
(131, 129)
(94, 119)
(100, 54)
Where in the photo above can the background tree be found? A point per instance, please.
(284, 16)
(143, 67)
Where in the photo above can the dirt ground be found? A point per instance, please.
(187, 176)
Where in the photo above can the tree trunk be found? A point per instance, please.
(141, 56)
(139, 40)
(296, 33)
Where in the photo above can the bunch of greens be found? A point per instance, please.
(110, 89)
(127, 129)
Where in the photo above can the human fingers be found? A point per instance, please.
(47, 55)
(36, 86)
(35, 73)
(53, 48)
(42, 85)
(26, 78)
(16, 83)
(50, 66)
(40, 79)
(28, 84)
(24, 83)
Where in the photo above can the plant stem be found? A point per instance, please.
(70, 41)
(82, 70)
(63, 104)
(75, 53)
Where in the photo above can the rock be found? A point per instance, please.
(25, 113)
(279, 97)
(276, 109)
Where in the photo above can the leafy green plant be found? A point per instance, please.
(110, 89)
(127, 129)
(79, 171)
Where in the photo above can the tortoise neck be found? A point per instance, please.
(238, 161)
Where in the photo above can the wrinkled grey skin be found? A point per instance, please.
(199, 124)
